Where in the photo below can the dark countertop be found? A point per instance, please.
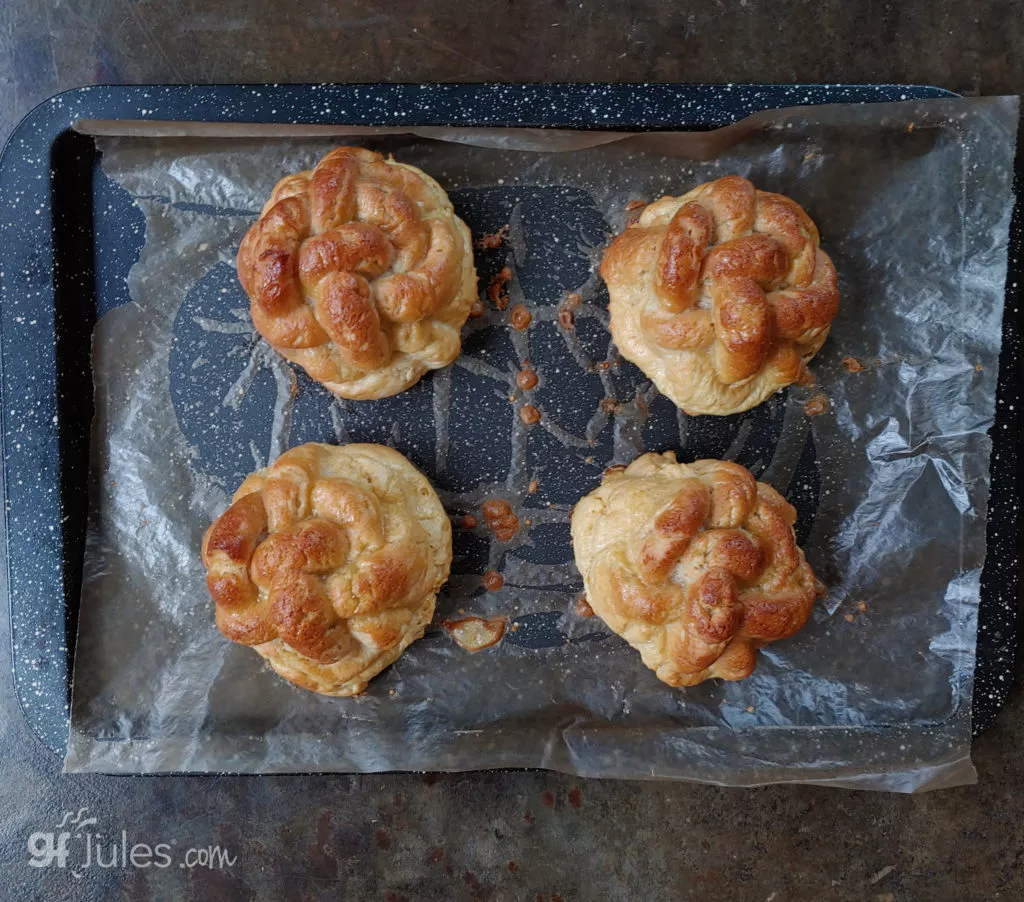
(530, 836)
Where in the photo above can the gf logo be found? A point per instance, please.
(46, 849)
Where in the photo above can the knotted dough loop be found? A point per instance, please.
(720, 296)
(360, 272)
(695, 566)
(328, 563)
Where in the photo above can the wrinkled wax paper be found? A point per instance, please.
(913, 202)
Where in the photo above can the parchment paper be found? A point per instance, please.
(913, 201)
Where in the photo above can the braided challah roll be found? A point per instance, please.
(720, 296)
(360, 272)
(328, 563)
(694, 565)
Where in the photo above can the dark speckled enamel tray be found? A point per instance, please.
(59, 272)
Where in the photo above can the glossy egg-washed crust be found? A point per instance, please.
(696, 566)
(360, 272)
(328, 562)
(720, 296)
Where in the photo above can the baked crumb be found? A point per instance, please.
(500, 519)
(496, 289)
(817, 404)
(474, 634)
(526, 379)
(520, 317)
(583, 608)
(570, 302)
(853, 365)
(493, 580)
(529, 414)
(492, 240)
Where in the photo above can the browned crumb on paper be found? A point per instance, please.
(493, 580)
(526, 379)
(849, 618)
(500, 519)
(520, 318)
(474, 634)
(469, 522)
(853, 365)
(533, 486)
(750, 709)
(477, 309)
(496, 289)
(529, 414)
(566, 314)
(490, 241)
(608, 405)
(817, 404)
(583, 608)
(862, 606)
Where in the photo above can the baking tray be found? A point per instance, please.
(71, 235)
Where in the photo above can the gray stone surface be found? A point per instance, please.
(530, 836)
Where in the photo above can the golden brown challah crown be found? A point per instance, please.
(720, 296)
(328, 562)
(360, 272)
(695, 566)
